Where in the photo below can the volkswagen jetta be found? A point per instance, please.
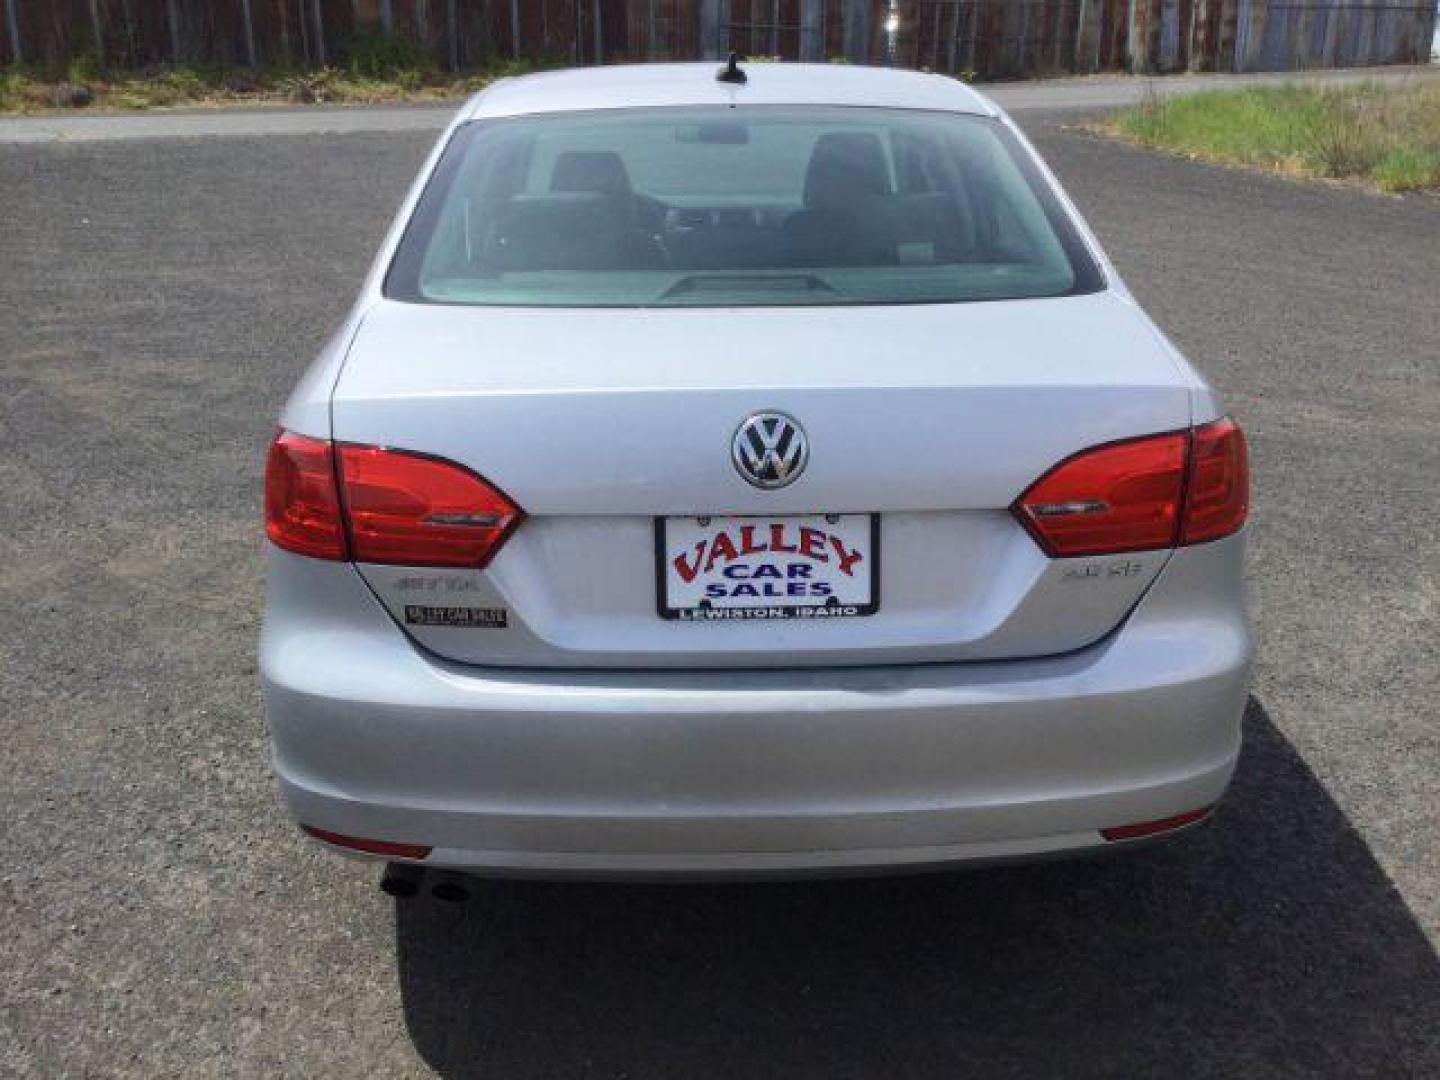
(742, 474)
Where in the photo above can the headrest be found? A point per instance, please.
(600, 171)
(845, 166)
(568, 230)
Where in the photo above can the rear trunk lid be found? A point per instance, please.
(601, 423)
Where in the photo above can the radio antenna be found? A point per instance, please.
(731, 72)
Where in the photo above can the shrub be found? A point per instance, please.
(1407, 168)
(1386, 134)
(389, 56)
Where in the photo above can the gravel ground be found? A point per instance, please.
(158, 298)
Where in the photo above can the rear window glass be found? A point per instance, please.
(737, 207)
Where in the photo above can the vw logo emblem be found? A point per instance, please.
(770, 449)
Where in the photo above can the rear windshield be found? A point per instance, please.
(730, 207)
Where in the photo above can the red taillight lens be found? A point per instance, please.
(1218, 499)
(1121, 497)
(1141, 494)
(411, 510)
(396, 507)
(302, 512)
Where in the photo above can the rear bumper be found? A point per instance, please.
(613, 773)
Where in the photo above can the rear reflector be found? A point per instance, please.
(302, 513)
(1182, 487)
(370, 847)
(1150, 828)
(372, 504)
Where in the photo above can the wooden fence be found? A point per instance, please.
(990, 38)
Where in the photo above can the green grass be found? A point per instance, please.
(1384, 135)
(374, 69)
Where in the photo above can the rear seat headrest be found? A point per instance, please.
(599, 171)
(567, 230)
(845, 166)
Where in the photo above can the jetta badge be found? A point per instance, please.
(770, 449)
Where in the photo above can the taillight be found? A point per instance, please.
(302, 510)
(372, 504)
(413, 510)
(1217, 500)
(1121, 497)
(1141, 494)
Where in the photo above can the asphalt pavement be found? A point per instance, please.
(157, 299)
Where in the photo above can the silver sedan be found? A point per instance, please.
(748, 471)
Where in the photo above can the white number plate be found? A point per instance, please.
(818, 566)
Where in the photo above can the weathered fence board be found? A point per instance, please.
(989, 38)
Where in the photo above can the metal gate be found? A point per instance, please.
(995, 38)
(784, 29)
(983, 38)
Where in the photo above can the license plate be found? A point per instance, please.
(816, 566)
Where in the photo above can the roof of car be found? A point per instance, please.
(648, 85)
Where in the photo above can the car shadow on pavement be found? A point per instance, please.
(1269, 943)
